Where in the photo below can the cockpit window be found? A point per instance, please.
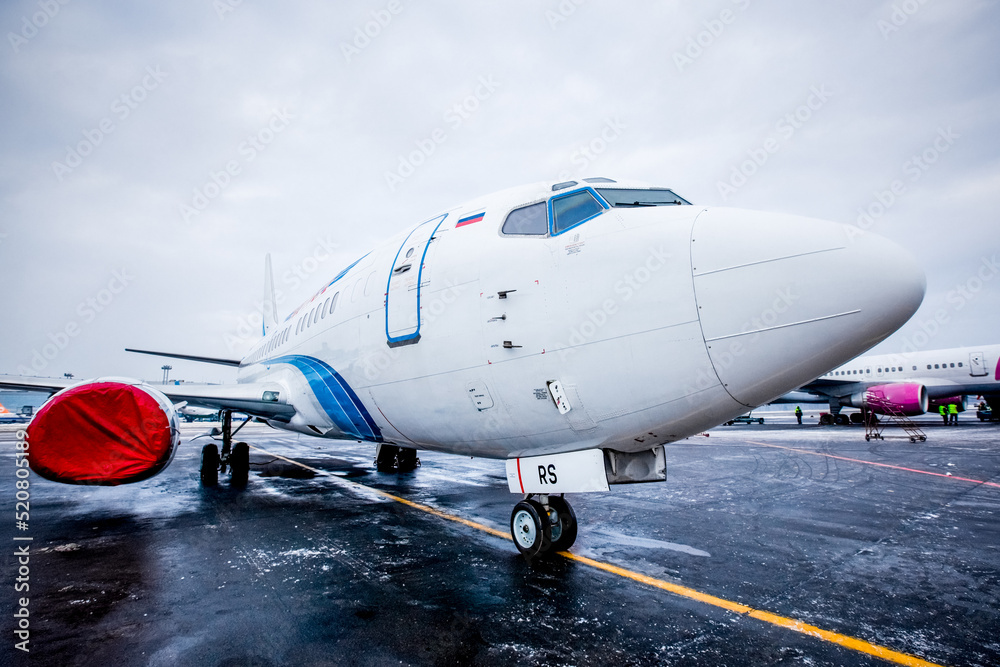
(527, 220)
(572, 209)
(631, 198)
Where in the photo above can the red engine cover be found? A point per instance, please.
(104, 432)
(909, 398)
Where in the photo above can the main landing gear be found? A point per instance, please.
(236, 457)
(392, 458)
(543, 524)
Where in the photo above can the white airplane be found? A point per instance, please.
(909, 383)
(571, 329)
(191, 412)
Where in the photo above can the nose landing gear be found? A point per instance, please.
(236, 458)
(543, 524)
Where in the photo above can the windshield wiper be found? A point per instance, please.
(648, 203)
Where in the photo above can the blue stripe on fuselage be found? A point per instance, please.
(336, 397)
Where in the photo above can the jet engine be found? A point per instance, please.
(107, 432)
(908, 398)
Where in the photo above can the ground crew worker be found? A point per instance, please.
(944, 413)
(798, 413)
(953, 413)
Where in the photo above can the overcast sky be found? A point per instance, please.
(152, 153)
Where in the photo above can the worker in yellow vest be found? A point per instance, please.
(953, 413)
(944, 413)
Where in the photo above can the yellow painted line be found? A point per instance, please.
(682, 591)
(767, 617)
(398, 499)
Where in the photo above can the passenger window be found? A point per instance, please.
(527, 220)
(333, 304)
(322, 311)
(573, 209)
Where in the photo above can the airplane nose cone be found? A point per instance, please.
(783, 299)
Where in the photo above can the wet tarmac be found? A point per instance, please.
(307, 568)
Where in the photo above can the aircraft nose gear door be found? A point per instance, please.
(407, 276)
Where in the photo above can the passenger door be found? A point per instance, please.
(406, 277)
(977, 364)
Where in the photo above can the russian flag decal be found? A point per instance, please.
(471, 219)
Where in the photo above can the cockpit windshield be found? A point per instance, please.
(631, 198)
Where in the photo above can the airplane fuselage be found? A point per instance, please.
(657, 322)
(961, 371)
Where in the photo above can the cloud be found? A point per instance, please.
(225, 74)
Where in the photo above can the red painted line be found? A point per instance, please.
(881, 465)
(519, 480)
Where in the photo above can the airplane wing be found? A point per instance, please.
(188, 357)
(820, 391)
(260, 399)
(39, 384)
(264, 399)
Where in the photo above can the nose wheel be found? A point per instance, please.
(546, 524)
(562, 520)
